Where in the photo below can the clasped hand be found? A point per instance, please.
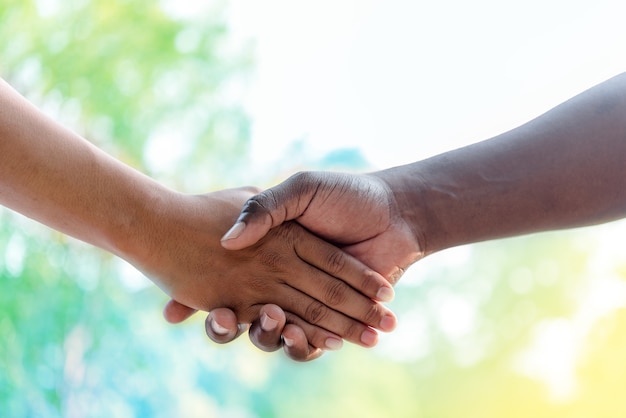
(328, 293)
(358, 213)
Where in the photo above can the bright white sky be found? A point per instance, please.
(403, 80)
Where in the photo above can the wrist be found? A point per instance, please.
(407, 212)
(425, 203)
(172, 230)
(135, 235)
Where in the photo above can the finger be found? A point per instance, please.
(336, 294)
(314, 335)
(175, 312)
(323, 300)
(253, 223)
(271, 208)
(221, 326)
(296, 346)
(318, 314)
(342, 265)
(265, 331)
(390, 256)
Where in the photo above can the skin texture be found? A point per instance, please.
(56, 177)
(358, 213)
(563, 169)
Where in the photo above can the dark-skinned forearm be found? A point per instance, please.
(563, 169)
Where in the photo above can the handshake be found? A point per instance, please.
(308, 262)
(326, 253)
(324, 247)
(563, 169)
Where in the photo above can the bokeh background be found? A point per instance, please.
(205, 94)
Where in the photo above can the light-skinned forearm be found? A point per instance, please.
(54, 176)
(563, 169)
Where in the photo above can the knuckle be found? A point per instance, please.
(368, 280)
(373, 315)
(265, 202)
(396, 275)
(255, 206)
(285, 235)
(336, 293)
(352, 332)
(303, 182)
(301, 177)
(315, 312)
(336, 262)
(268, 199)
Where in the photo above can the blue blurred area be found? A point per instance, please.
(348, 159)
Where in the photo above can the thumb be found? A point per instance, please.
(175, 312)
(270, 208)
(253, 223)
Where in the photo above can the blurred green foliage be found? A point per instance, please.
(134, 79)
(81, 332)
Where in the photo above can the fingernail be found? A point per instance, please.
(385, 294)
(388, 323)
(288, 342)
(369, 338)
(217, 328)
(333, 343)
(234, 231)
(268, 324)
